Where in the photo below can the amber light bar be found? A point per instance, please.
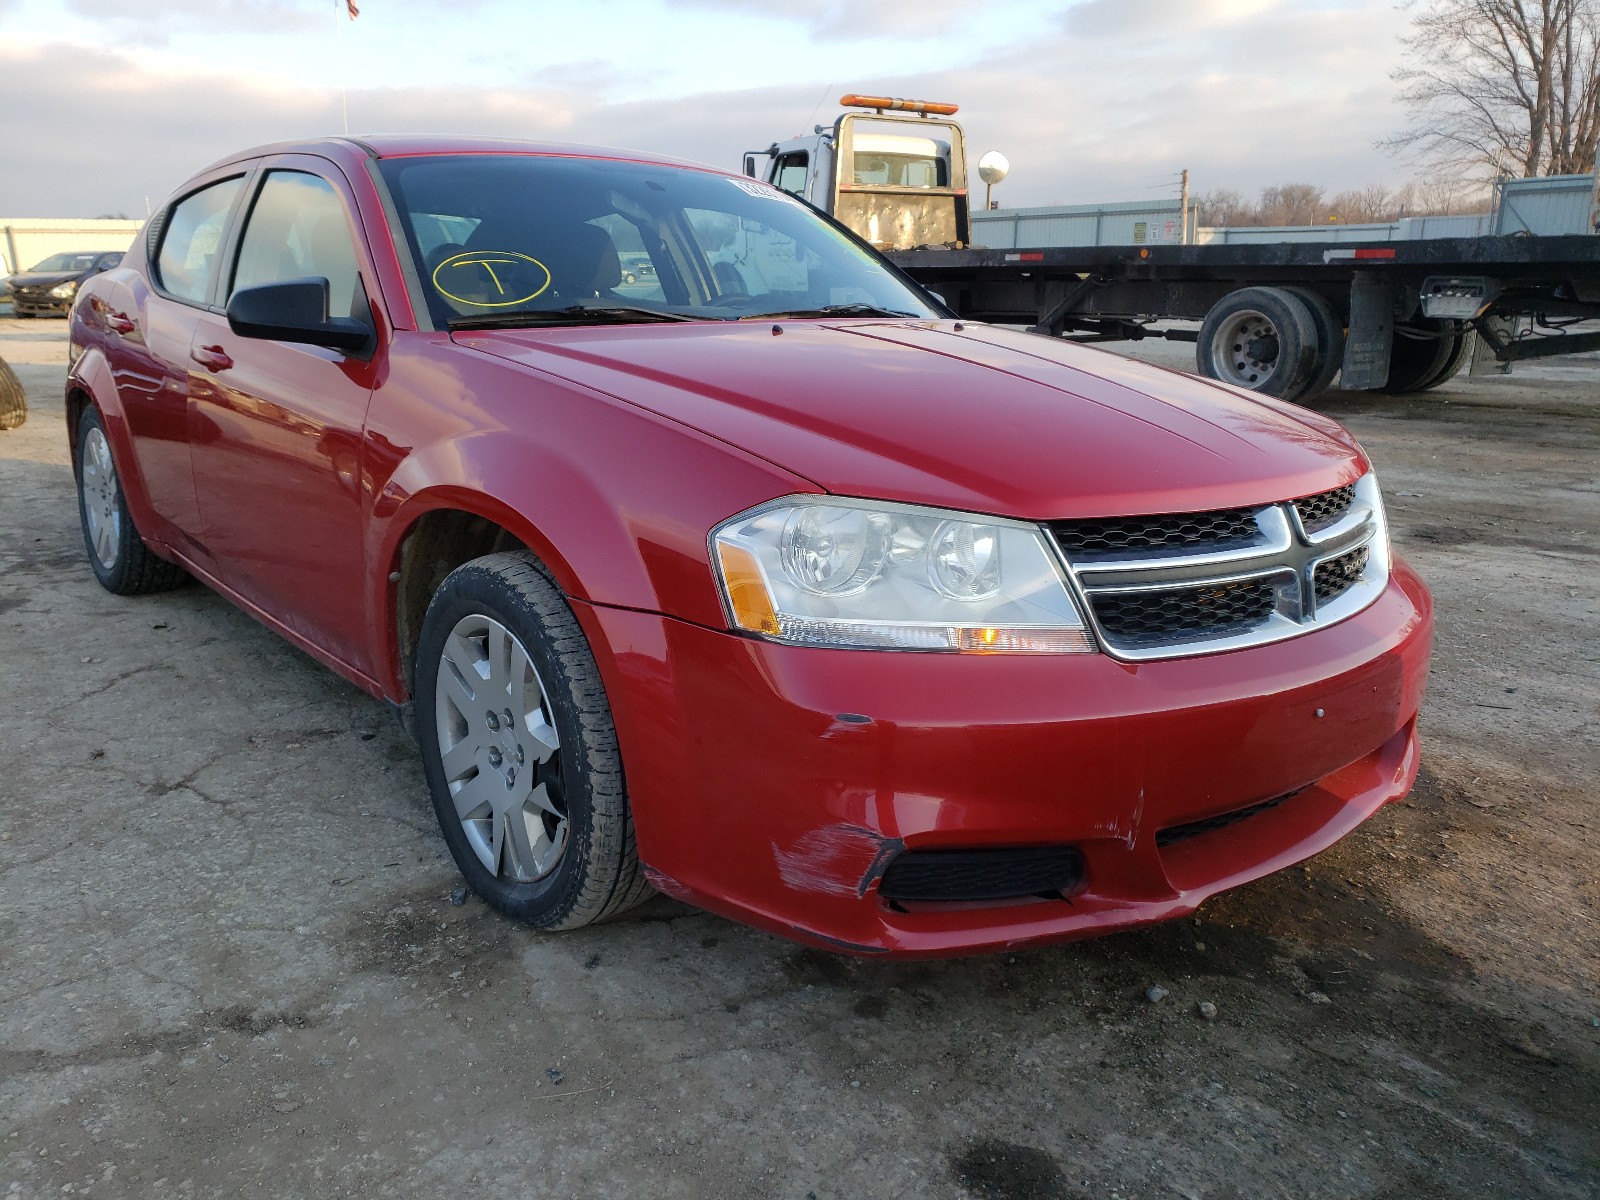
(882, 102)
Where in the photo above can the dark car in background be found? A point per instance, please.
(51, 286)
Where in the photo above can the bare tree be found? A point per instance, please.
(1223, 206)
(1371, 203)
(1502, 87)
(1446, 196)
(1291, 204)
(1303, 203)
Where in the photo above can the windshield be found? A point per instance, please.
(67, 262)
(496, 236)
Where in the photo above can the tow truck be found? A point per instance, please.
(1280, 318)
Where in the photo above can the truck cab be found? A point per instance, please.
(895, 174)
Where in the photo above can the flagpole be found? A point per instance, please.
(339, 6)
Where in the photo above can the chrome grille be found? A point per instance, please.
(1198, 583)
(1322, 510)
(1335, 576)
(1212, 530)
(1150, 618)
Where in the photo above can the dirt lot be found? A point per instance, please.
(232, 967)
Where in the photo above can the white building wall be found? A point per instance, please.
(26, 240)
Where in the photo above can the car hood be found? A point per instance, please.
(972, 417)
(43, 278)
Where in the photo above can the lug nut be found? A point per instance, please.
(494, 756)
(511, 778)
(511, 722)
(494, 722)
(519, 756)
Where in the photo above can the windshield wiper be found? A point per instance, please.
(832, 310)
(574, 314)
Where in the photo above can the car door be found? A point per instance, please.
(148, 352)
(276, 427)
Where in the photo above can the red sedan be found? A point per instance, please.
(758, 579)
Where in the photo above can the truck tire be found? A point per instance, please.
(1419, 363)
(1460, 354)
(13, 401)
(1262, 339)
(1330, 340)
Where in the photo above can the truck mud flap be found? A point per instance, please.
(1367, 345)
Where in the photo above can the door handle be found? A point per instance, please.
(119, 321)
(212, 358)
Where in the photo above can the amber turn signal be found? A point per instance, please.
(747, 591)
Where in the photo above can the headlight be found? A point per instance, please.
(819, 571)
(63, 290)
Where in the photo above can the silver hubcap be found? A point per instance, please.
(500, 750)
(1245, 349)
(101, 512)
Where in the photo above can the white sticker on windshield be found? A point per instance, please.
(761, 191)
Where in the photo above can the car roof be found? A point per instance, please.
(350, 149)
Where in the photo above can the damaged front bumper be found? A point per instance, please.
(780, 786)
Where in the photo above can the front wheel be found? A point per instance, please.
(520, 751)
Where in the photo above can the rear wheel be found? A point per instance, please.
(520, 751)
(1330, 340)
(1262, 339)
(117, 554)
(13, 400)
(1420, 355)
(1460, 354)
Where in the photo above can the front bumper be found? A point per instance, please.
(775, 784)
(40, 303)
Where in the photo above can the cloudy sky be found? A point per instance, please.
(110, 104)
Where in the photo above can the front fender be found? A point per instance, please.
(616, 501)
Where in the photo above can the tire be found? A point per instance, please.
(1460, 355)
(13, 400)
(534, 809)
(121, 561)
(630, 277)
(1330, 340)
(25, 313)
(1416, 364)
(1261, 339)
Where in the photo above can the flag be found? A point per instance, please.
(350, 7)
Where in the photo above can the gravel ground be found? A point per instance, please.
(232, 965)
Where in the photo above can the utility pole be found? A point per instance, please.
(1183, 205)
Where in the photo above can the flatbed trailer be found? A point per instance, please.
(1394, 317)
(1283, 318)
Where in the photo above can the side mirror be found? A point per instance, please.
(750, 165)
(296, 310)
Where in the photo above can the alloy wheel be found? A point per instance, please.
(102, 509)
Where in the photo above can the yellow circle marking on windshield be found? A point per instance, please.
(495, 268)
